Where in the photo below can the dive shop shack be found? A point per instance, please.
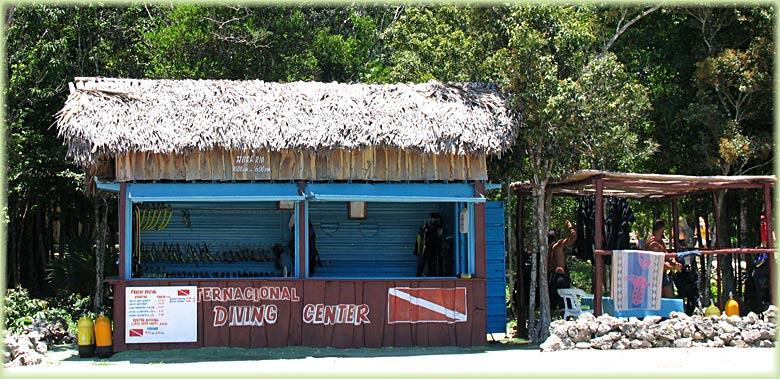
(255, 214)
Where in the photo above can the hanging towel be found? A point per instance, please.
(636, 279)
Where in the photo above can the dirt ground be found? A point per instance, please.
(492, 360)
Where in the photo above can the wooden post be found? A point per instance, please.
(675, 226)
(599, 242)
(718, 259)
(770, 238)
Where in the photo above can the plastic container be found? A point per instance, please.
(732, 307)
(712, 310)
(103, 343)
(86, 336)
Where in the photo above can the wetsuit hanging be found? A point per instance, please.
(431, 249)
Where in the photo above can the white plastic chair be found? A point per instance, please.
(571, 302)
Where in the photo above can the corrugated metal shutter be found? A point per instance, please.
(224, 227)
(496, 267)
(381, 246)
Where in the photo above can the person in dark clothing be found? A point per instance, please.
(314, 254)
(556, 264)
(431, 249)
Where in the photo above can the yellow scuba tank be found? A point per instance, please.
(712, 310)
(86, 336)
(732, 307)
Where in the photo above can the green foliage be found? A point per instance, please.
(731, 113)
(21, 310)
(734, 88)
(580, 272)
(580, 110)
(180, 45)
(74, 271)
(444, 43)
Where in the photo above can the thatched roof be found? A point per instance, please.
(116, 116)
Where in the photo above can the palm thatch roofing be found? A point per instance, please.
(647, 186)
(108, 117)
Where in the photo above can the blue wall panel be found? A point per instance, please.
(380, 246)
(496, 267)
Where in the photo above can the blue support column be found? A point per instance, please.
(127, 254)
(457, 238)
(297, 240)
(306, 238)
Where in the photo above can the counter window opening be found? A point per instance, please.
(394, 240)
(211, 240)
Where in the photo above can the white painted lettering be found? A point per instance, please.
(355, 314)
(220, 315)
(308, 313)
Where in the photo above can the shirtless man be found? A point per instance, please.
(556, 265)
(655, 243)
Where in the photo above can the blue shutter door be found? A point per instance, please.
(381, 246)
(496, 267)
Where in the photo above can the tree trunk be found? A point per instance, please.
(12, 265)
(100, 251)
(743, 238)
(520, 300)
(539, 273)
(510, 242)
(18, 238)
(545, 316)
(42, 255)
(722, 233)
(532, 287)
(743, 220)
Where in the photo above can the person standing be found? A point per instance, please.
(656, 243)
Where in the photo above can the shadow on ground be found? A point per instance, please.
(69, 353)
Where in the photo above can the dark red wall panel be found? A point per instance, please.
(333, 313)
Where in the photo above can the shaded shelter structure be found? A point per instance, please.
(314, 214)
(602, 184)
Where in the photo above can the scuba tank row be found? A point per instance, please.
(95, 338)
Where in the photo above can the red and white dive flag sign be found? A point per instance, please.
(413, 305)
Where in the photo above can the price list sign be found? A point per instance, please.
(161, 314)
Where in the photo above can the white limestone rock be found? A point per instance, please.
(553, 343)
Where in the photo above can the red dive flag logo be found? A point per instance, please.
(183, 292)
(136, 332)
(413, 305)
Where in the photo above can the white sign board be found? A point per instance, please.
(161, 314)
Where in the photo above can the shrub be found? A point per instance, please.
(74, 270)
(21, 310)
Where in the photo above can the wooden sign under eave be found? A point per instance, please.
(378, 164)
